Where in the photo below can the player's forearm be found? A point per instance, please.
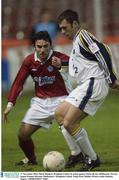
(18, 84)
(13, 94)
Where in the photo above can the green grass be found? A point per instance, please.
(103, 130)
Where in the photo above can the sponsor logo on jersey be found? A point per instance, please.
(44, 80)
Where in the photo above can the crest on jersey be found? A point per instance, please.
(50, 68)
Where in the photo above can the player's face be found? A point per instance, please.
(67, 29)
(42, 48)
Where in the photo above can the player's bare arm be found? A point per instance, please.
(115, 85)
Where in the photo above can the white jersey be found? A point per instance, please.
(83, 63)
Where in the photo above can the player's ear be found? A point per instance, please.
(75, 24)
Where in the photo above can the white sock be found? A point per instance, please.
(82, 139)
(73, 146)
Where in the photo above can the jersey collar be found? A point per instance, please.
(76, 34)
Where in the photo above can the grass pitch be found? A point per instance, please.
(103, 131)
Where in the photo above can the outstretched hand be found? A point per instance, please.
(115, 85)
(5, 114)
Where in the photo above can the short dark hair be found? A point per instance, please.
(42, 35)
(69, 15)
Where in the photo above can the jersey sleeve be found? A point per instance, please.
(18, 83)
(101, 52)
(64, 63)
(64, 60)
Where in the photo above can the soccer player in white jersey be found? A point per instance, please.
(90, 65)
(51, 88)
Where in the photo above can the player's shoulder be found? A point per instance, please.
(86, 34)
(60, 55)
(28, 59)
(80, 31)
(79, 35)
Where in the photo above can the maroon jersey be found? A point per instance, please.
(47, 78)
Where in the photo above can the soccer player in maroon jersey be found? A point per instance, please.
(45, 68)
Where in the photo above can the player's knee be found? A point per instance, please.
(71, 127)
(67, 125)
(22, 136)
(58, 117)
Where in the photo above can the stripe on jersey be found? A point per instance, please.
(85, 51)
(64, 63)
(84, 44)
(88, 94)
(87, 54)
(98, 55)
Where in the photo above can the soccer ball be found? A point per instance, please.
(54, 161)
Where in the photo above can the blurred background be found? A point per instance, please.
(20, 19)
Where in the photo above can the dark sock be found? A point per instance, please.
(27, 147)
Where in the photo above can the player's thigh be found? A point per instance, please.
(61, 111)
(73, 117)
(26, 130)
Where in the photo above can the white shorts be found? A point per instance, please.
(89, 96)
(41, 112)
